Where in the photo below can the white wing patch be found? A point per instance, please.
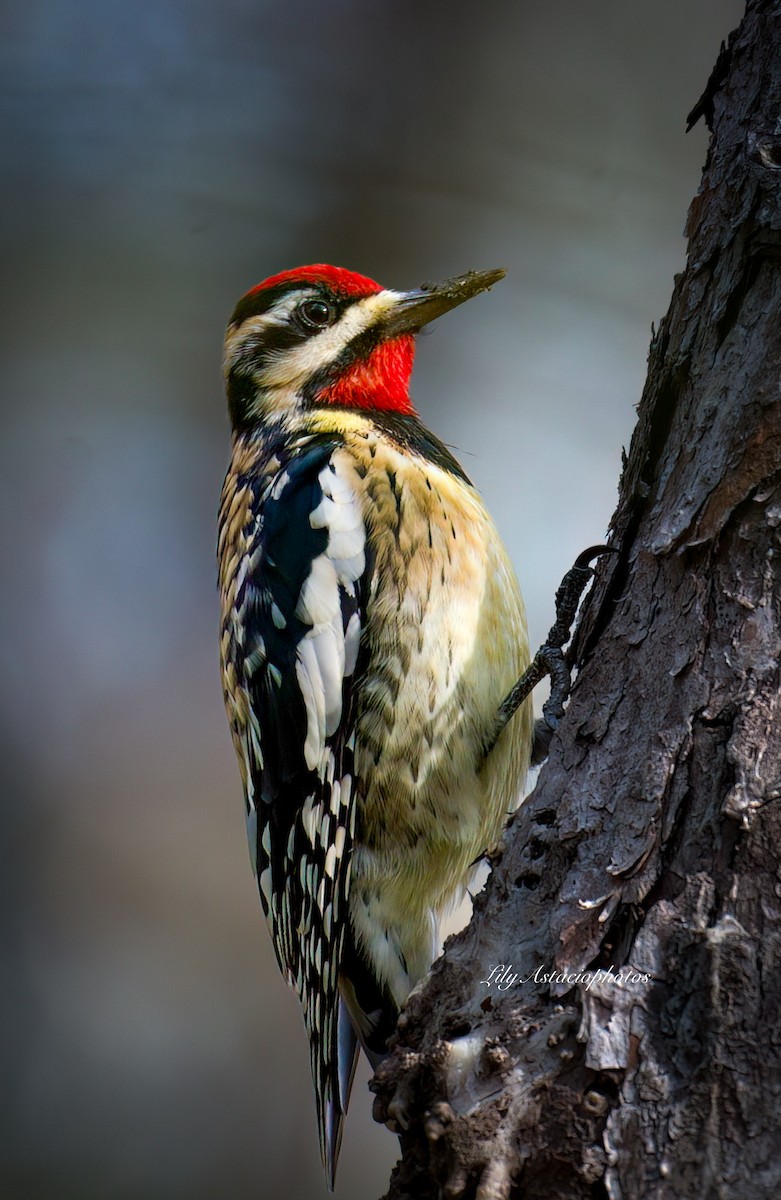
(328, 653)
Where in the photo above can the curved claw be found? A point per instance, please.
(557, 669)
(583, 561)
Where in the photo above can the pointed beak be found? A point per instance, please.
(416, 308)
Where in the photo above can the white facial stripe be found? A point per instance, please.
(295, 366)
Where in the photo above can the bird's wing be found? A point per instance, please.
(302, 602)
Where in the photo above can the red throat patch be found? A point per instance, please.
(380, 381)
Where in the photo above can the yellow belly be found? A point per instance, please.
(447, 640)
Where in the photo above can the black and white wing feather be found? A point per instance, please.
(301, 601)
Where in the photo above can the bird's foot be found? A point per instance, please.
(550, 659)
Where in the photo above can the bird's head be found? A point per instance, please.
(323, 335)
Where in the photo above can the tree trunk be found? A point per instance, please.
(647, 856)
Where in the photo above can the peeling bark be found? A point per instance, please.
(647, 857)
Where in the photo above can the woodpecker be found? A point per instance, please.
(371, 626)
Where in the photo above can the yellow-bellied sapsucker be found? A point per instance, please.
(371, 627)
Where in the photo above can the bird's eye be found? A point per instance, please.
(315, 314)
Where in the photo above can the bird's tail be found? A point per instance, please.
(333, 1068)
(361, 1016)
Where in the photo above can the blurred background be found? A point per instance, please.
(158, 159)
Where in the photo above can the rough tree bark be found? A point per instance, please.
(651, 843)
